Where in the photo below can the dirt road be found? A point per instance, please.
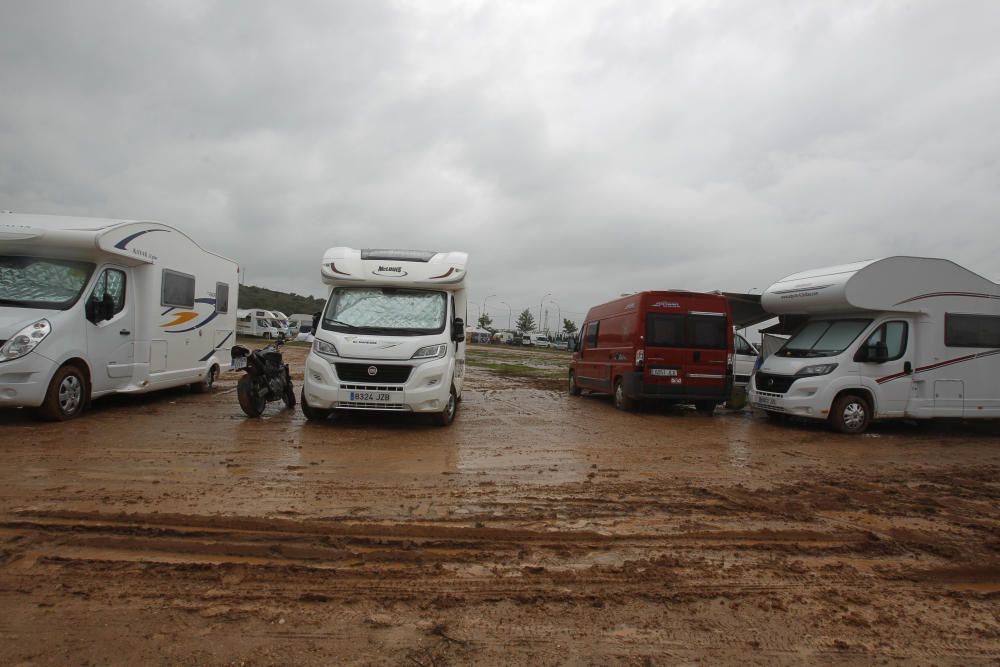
(538, 529)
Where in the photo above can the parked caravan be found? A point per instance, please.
(90, 307)
(392, 334)
(259, 323)
(907, 337)
(301, 322)
(539, 340)
(673, 346)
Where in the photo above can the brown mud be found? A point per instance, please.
(538, 529)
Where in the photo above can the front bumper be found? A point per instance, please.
(24, 381)
(426, 390)
(805, 398)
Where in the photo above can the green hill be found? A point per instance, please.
(287, 303)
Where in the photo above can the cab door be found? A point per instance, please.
(593, 367)
(110, 336)
(886, 362)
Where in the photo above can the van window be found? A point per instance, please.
(893, 334)
(177, 289)
(664, 330)
(221, 297)
(971, 330)
(707, 331)
(743, 347)
(112, 283)
(590, 337)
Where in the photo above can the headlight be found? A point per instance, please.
(431, 351)
(25, 340)
(818, 369)
(321, 347)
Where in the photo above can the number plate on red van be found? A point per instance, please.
(665, 372)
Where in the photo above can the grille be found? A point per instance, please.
(373, 387)
(385, 373)
(778, 384)
(344, 405)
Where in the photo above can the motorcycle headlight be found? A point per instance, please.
(25, 340)
(431, 351)
(324, 349)
(818, 369)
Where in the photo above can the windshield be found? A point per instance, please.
(387, 310)
(823, 338)
(35, 282)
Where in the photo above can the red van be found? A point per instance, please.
(669, 346)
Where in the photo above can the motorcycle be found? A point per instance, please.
(267, 378)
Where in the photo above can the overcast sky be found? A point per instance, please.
(580, 148)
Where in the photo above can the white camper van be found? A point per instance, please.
(258, 323)
(391, 336)
(90, 307)
(897, 337)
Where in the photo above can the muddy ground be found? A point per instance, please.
(538, 529)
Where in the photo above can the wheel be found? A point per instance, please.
(447, 416)
(850, 414)
(289, 396)
(312, 414)
(705, 407)
(574, 388)
(66, 396)
(206, 385)
(251, 402)
(623, 402)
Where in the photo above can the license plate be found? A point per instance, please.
(664, 372)
(238, 363)
(765, 400)
(370, 396)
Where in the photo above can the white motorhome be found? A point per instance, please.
(906, 337)
(391, 336)
(301, 322)
(260, 323)
(90, 307)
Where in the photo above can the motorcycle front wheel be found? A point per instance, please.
(251, 402)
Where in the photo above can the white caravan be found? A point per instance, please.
(898, 337)
(90, 307)
(257, 323)
(391, 336)
(301, 322)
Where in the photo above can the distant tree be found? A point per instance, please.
(569, 326)
(485, 322)
(525, 321)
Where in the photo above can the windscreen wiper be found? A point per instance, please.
(341, 324)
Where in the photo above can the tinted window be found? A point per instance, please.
(971, 330)
(893, 334)
(707, 331)
(221, 298)
(178, 289)
(665, 330)
(112, 283)
(590, 337)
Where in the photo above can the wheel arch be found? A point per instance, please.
(863, 392)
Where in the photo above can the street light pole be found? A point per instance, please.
(540, 307)
(559, 311)
(484, 301)
(477, 308)
(509, 311)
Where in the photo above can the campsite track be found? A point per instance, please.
(538, 529)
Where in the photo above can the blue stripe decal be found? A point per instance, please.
(166, 311)
(128, 239)
(217, 347)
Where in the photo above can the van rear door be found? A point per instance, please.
(666, 354)
(708, 342)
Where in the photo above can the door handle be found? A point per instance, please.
(125, 332)
(907, 368)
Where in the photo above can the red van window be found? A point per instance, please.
(590, 338)
(664, 330)
(707, 331)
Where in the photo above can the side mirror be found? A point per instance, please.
(880, 352)
(90, 310)
(316, 317)
(458, 330)
(107, 307)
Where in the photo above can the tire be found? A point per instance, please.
(574, 388)
(447, 416)
(205, 385)
(850, 414)
(289, 397)
(66, 396)
(312, 414)
(251, 402)
(705, 407)
(623, 402)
